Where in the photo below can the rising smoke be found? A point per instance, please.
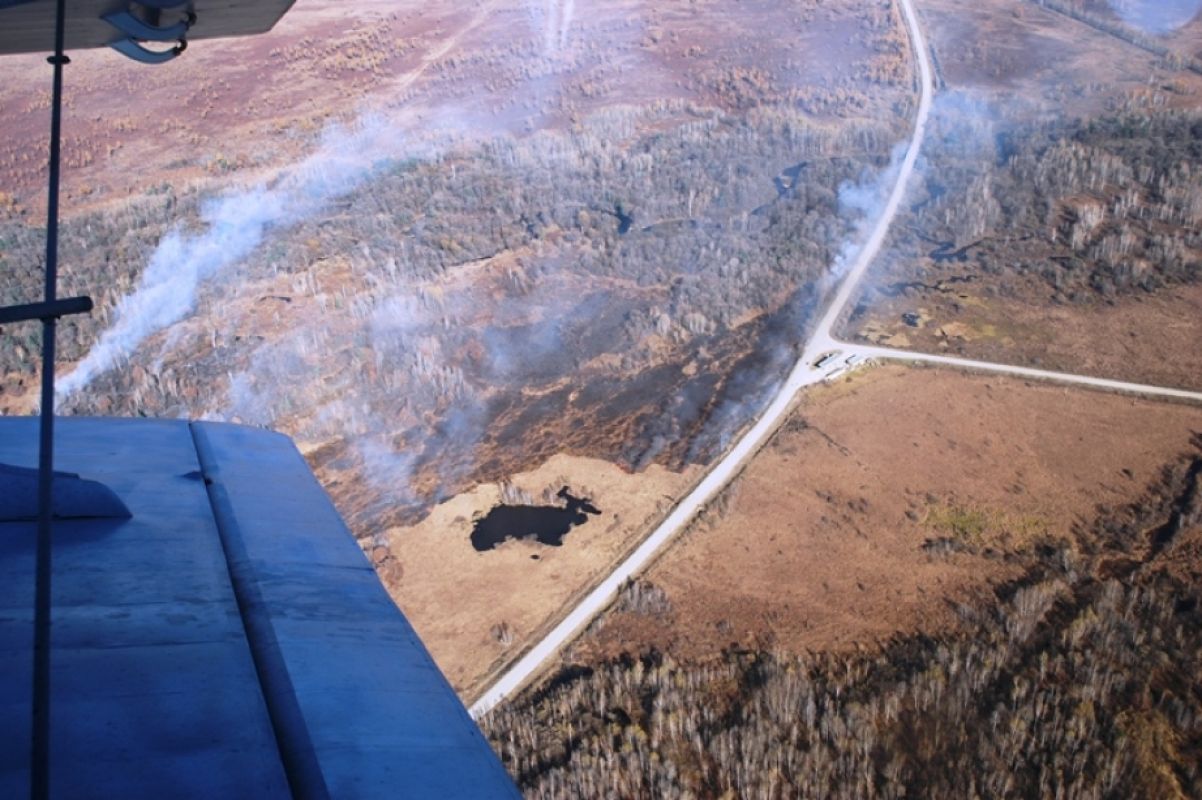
(264, 389)
(237, 223)
(748, 391)
(863, 202)
(407, 338)
(234, 225)
(554, 19)
(1156, 16)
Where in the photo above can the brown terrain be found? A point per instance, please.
(926, 578)
(241, 106)
(1145, 338)
(587, 247)
(1049, 229)
(474, 610)
(594, 239)
(1035, 53)
(936, 583)
(891, 498)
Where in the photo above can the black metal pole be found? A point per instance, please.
(39, 772)
(59, 308)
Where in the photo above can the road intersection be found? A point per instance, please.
(823, 358)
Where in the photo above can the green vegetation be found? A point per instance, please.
(977, 529)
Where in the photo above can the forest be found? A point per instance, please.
(423, 309)
(1081, 211)
(1077, 680)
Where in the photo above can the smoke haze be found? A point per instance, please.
(554, 18)
(1156, 16)
(434, 365)
(233, 226)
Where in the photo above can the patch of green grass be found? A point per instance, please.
(967, 525)
(983, 527)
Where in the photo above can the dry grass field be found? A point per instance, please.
(475, 609)
(588, 242)
(470, 315)
(887, 501)
(243, 108)
(1145, 339)
(925, 578)
(1025, 51)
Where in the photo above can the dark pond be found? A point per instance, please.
(547, 524)
(624, 220)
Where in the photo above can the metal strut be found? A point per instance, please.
(39, 772)
(48, 311)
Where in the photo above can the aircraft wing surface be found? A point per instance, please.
(27, 26)
(227, 639)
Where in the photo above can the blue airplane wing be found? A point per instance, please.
(227, 639)
(27, 26)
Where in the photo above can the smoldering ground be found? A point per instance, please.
(630, 344)
(434, 385)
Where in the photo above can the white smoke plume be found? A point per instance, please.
(555, 20)
(567, 11)
(863, 202)
(234, 226)
(1156, 16)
